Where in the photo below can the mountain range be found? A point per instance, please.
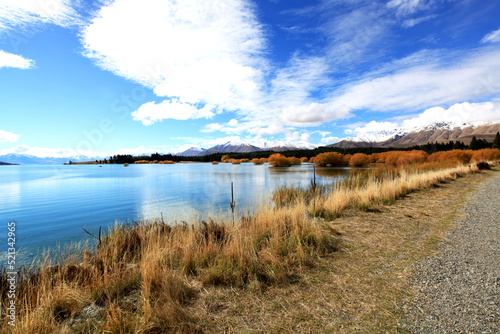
(240, 147)
(437, 132)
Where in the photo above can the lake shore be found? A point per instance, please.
(275, 271)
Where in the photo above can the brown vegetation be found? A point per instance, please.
(330, 159)
(359, 160)
(279, 160)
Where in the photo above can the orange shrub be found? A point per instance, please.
(257, 161)
(141, 162)
(458, 156)
(359, 159)
(415, 156)
(347, 158)
(294, 161)
(374, 157)
(244, 160)
(304, 159)
(235, 161)
(329, 158)
(391, 157)
(279, 160)
(311, 160)
(487, 154)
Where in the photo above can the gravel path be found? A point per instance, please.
(457, 291)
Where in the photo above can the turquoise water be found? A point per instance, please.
(50, 204)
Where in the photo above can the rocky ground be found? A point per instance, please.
(458, 290)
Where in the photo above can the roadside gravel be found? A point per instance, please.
(457, 290)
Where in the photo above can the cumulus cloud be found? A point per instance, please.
(457, 114)
(152, 112)
(201, 52)
(8, 137)
(492, 37)
(375, 126)
(15, 61)
(16, 13)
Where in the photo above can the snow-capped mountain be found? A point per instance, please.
(230, 147)
(435, 132)
(191, 152)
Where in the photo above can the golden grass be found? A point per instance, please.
(139, 275)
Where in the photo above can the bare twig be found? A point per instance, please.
(98, 238)
(233, 203)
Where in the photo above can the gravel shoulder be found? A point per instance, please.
(457, 290)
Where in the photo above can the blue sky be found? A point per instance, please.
(130, 76)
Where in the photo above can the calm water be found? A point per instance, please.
(50, 204)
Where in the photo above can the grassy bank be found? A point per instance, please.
(210, 276)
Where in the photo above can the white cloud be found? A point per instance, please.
(24, 13)
(295, 82)
(492, 37)
(12, 60)
(272, 129)
(375, 126)
(330, 140)
(233, 126)
(314, 114)
(8, 137)
(408, 7)
(457, 114)
(201, 52)
(416, 87)
(305, 137)
(408, 23)
(232, 122)
(152, 112)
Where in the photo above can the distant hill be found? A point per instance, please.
(24, 159)
(437, 132)
(6, 163)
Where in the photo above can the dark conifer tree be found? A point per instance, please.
(496, 141)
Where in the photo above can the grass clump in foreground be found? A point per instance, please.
(148, 277)
(142, 277)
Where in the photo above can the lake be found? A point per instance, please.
(50, 204)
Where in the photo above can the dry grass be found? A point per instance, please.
(140, 274)
(276, 271)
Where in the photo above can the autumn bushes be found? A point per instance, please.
(405, 158)
(390, 158)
